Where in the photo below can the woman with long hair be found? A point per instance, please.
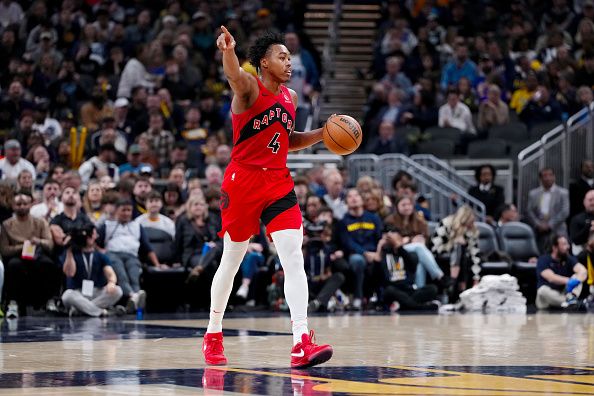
(92, 200)
(413, 227)
(199, 248)
(193, 231)
(457, 236)
(374, 202)
(6, 196)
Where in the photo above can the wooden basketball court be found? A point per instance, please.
(472, 354)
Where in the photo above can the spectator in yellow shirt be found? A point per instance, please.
(523, 95)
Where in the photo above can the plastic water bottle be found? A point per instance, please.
(139, 314)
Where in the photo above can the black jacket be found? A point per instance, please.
(190, 239)
(579, 228)
(577, 192)
(492, 199)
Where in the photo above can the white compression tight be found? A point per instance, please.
(288, 246)
(222, 283)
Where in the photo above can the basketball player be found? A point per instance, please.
(258, 186)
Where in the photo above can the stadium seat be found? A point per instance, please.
(518, 240)
(488, 244)
(510, 132)
(541, 129)
(490, 148)
(441, 148)
(163, 287)
(444, 133)
(162, 243)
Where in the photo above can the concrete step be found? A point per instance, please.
(367, 41)
(354, 24)
(351, 58)
(346, 32)
(313, 23)
(349, 49)
(318, 15)
(360, 7)
(360, 15)
(320, 7)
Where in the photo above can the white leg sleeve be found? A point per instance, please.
(288, 245)
(222, 282)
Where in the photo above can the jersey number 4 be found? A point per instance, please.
(274, 145)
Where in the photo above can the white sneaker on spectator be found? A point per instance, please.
(357, 304)
(13, 310)
(332, 304)
(50, 306)
(342, 299)
(243, 291)
(394, 307)
(139, 299)
(73, 312)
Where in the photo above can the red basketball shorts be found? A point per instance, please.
(251, 194)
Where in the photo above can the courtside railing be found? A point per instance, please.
(562, 149)
(442, 194)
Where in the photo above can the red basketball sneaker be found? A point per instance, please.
(306, 353)
(212, 348)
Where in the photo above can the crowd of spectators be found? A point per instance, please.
(476, 65)
(115, 127)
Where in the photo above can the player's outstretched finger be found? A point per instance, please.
(224, 29)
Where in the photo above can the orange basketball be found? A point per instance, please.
(342, 134)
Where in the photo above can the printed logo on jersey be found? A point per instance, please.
(224, 199)
(262, 121)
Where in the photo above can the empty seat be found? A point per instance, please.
(510, 132)
(518, 240)
(444, 133)
(490, 148)
(541, 129)
(162, 243)
(487, 245)
(441, 148)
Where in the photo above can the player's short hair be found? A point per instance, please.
(261, 47)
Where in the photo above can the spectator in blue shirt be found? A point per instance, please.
(457, 68)
(134, 165)
(83, 266)
(359, 233)
(559, 276)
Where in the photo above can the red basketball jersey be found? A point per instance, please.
(261, 133)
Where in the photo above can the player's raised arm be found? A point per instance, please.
(241, 82)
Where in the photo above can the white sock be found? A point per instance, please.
(288, 246)
(222, 282)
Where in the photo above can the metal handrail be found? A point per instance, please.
(556, 149)
(432, 162)
(435, 186)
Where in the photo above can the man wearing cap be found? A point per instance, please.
(134, 165)
(100, 165)
(120, 114)
(12, 164)
(47, 46)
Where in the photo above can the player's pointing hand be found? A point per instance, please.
(225, 40)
